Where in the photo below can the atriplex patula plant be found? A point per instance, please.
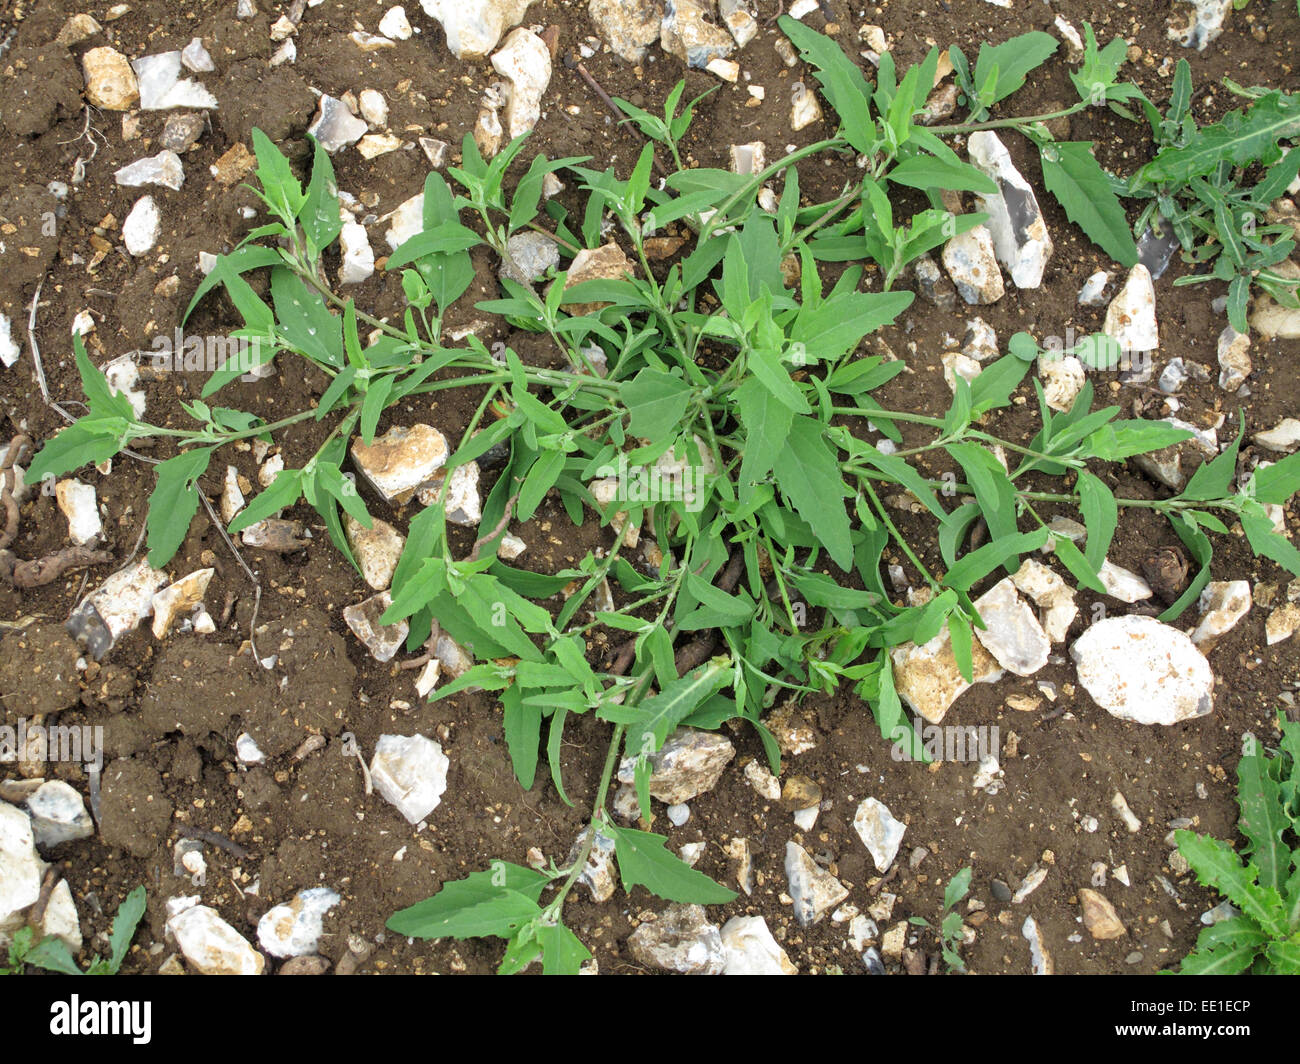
(1263, 880)
(787, 516)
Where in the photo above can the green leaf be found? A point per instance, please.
(128, 918)
(53, 955)
(174, 502)
(1269, 544)
(926, 172)
(442, 239)
(1123, 439)
(1010, 63)
(957, 888)
(104, 402)
(657, 402)
(523, 728)
(305, 322)
(771, 372)
(1100, 517)
(650, 722)
(82, 443)
(1263, 821)
(282, 191)
(1213, 479)
(643, 860)
(1005, 550)
(991, 486)
(539, 480)
(1276, 483)
(766, 421)
(562, 951)
(841, 79)
(319, 214)
(836, 325)
(285, 490)
(1073, 175)
(1238, 138)
(1100, 66)
(485, 904)
(239, 261)
(808, 473)
(1225, 948)
(995, 384)
(1217, 866)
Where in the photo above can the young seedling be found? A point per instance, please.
(53, 955)
(950, 926)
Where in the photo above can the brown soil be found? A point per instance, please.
(172, 710)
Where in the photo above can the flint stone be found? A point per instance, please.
(680, 940)
(688, 764)
(1140, 670)
(1131, 316)
(294, 929)
(687, 34)
(473, 27)
(211, 945)
(382, 640)
(972, 264)
(751, 949)
(928, 679)
(814, 890)
(58, 814)
(879, 831)
(1015, 223)
(411, 772)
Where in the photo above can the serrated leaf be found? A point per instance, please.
(53, 955)
(79, 444)
(808, 473)
(643, 861)
(485, 904)
(1217, 866)
(1263, 821)
(1239, 138)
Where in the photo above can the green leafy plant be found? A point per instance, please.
(950, 925)
(719, 406)
(1197, 183)
(52, 953)
(1263, 880)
